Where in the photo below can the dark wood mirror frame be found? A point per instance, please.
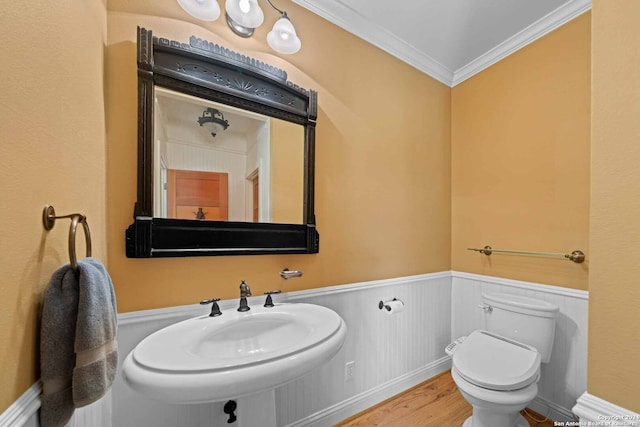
(208, 71)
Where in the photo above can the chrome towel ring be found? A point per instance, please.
(48, 221)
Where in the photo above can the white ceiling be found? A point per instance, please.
(178, 113)
(450, 40)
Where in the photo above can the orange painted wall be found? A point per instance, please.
(287, 172)
(614, 291)
(52, 147)
(520, 155)
(382, 163)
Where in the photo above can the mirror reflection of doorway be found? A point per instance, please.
(197, 195)
(252, 189)
(163, 188)
(256, 199)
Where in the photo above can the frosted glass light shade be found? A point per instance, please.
(206, 10)
(282, 38)
(245, 12)
(213, 128)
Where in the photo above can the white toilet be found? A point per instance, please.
(497, 369)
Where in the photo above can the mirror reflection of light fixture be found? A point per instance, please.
(213, 120)
(243, 16)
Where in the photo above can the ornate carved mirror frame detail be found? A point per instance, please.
(208, 71)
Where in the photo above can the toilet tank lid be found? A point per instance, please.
(526, 304)
(496, 363)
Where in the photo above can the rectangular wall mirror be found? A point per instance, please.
(225, 154)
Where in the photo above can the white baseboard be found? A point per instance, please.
(367, 399)
(24, 410)
(595, 411)
(551, 410)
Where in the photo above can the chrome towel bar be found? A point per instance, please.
(48, 221)
(575, 256)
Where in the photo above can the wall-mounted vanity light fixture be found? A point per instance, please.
(243, 17)
(213, 121)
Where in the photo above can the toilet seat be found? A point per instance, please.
(472, 392)
(493, 362)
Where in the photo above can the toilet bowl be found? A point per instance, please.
(488, 413)
(498, 377)
(497, 369)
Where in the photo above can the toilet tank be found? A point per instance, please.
(527, 320)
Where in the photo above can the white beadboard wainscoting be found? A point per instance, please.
(390, 353)
(564, 378)
(24, 411)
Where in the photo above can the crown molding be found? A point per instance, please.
(350, 20)
(533, 32)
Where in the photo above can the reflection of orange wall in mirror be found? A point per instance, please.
(190, 191)
(287, 169)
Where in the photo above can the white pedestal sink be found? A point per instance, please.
(237, 354)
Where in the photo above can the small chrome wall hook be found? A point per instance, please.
(290, 274)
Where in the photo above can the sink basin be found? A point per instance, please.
(208, 359)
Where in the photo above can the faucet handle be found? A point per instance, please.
(269, 301)
(215, 309)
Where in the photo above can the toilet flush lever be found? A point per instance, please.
(486, 308)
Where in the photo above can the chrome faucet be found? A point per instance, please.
(245, 291)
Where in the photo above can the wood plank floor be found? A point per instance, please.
(434, 403)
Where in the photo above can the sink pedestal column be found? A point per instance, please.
(258, 409)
